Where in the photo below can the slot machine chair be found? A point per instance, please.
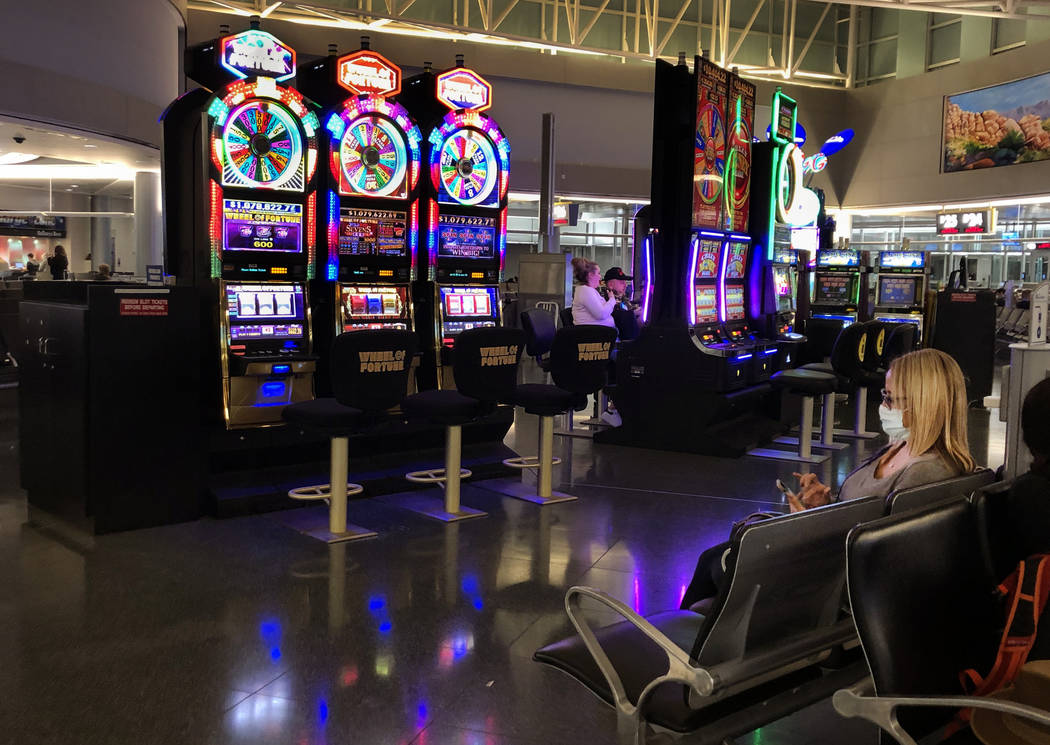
(901, 340)
(565, 315)
(369, 377)
(485, 369)
(847, 364)
(579, 364)
(808, 384)
(540, 328)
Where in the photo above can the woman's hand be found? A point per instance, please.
(811, 493)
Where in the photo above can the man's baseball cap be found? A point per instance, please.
(617, 273)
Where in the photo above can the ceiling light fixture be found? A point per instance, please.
(8, 159)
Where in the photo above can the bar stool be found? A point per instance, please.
(807, 384)
(845, 365)
(485, 368)
(369, 377)
(579, 362)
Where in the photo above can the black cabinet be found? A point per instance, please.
(109, 404)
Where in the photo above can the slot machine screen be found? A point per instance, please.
(706, 304)
(785, 256)
(836, 257)
(367, 307)
(783, 287)
(833, 289)
(897, 290)
(736, 261)
(902, 260)
(273, 311)
(262, 226)
(709, 256)
(373, 233)
(466, 237)
(735, 303)
(466, 308)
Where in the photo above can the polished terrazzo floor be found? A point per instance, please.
(244, 631)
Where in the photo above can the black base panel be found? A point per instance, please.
(238, 493)
(727, 439)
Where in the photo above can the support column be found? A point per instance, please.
(149, 223)
(548, 234)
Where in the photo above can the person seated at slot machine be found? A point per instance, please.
(923, 413)
(589, 307)
(626, 313)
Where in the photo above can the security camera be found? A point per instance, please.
(19, 139)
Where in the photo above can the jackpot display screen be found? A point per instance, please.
(271, 311)
(466, 237)
(785, 256)
(706, 304)
(833, 289)
(363, 307)
(709, 256)
(250, 225)
(902, 259)
(735, 303)
(897, 290)
(836, 257)
(373, 233)
(736, 261)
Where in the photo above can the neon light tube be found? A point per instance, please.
(722, 283)
(689, 280)
(647, 245)
(741, 357)
(709, 234)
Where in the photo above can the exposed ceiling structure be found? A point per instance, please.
(821, 36)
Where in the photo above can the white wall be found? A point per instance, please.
(108, 67)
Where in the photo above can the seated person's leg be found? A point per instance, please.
(707, 577)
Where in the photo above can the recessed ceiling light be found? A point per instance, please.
(91, 146)
(13, 158)
(75, 186)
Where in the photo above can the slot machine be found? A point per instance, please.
(791, 289)
(734, 309)
(730, 361)
(464, 212)
(368, 231)
(837, 285)
(901, 288)
(240, 161)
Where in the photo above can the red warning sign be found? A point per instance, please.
(143, 306)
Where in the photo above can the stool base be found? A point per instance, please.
(432, 508)
(816, 443)
(518, 490)
(850, 434)
(316, 526)
(772, 454)
(322, 491)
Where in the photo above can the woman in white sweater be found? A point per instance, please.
(589, 308)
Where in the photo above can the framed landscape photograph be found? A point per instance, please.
(998, 126)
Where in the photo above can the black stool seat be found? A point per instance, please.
(443, 407)
(842, 383)
(541, 399)
(326, 414)
(805, 382)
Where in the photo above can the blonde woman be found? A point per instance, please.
(924, 413)
(589, 308)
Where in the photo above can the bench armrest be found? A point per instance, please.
(679, 665)
(882, 711)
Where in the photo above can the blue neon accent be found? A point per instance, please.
(710, 234)
(281, 369)
(740, 237)
(376, 603)
(289, 345)
(769, 352)
(690, 296)
(647, 246)
(742, 357)
(722, 282)
(272, 388)
(322, 711)
(275, 654)
(385, 627)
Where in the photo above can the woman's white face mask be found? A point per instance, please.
(893, 423)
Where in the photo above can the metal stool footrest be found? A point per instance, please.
(322, 491)
(434, 476)
(528, 461)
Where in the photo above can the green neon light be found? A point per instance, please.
(729, 176)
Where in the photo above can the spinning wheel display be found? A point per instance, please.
(468, 169)
(373, 157)
(710, 163)
(263, 145)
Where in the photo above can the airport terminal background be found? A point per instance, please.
(234, 626)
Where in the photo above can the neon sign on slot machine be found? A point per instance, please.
(258, 197)
(464, 213)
